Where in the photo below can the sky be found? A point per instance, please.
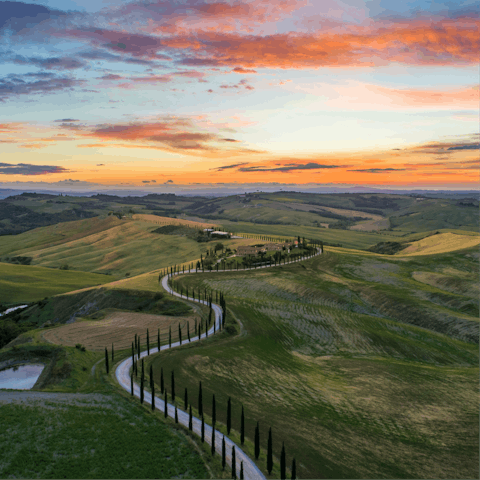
(153, 93)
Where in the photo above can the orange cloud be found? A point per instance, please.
(416, 42)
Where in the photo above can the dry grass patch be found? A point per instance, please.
(441, 243)
(172, 221)
(118, 328)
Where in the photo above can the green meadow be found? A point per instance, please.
(361, 369)
(25, 283)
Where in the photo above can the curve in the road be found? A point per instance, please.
(122, 373)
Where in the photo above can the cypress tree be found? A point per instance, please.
(214, 411)
(139, 346)
(229, 415)
(294, 470)
(153, 397)
(170, 336)
(141, 389)
(234, 462)
(188, 330)
(210, 316)
(165, 413)
(136, 368)
(176, 414)
(143, 369)
(203, 429)
(158, 339)
(148, 343)
(223, 453)
(106, 359)
(131, 384)
(213, 442)
(180, 334)
(190, 419)
(242, 427)
(112, 353)
(185, 399)
(269, 452)
(241, 470)
(283, 475)
(257, 441)
(200, 400)
(173, 386)
(161, 380)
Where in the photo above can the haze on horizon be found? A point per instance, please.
(137, 94)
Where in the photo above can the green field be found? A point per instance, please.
(25, 283)
(105, 245)
(95, 436)
(362, 370)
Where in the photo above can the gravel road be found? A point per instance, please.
(250, 469)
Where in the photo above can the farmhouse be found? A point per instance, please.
(247, 250)
(221, 234)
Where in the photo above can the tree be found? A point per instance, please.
(148, 343)
(153, 397)
(188, 330)
(186, 399)
(242, 427)
(136, 368)
(214, 412)
(257, 441)
(141, 389)
(176, 414)
(139, 347)
(180, 333)
(229, 415)
(294, 470)
(269, 452)
(131, 384)
(203, 429)
(165, 412)
(133, 354)
(170, 336)
(161, 380)
(223, 453)
(190, 420)
(158, 339)
(106, 360)
(200, 402)
(283, 475)
(241, 470)
(213, 441)
(234, 463)
(173, 386)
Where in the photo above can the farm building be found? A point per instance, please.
(221, 234)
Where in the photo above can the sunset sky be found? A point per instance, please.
(153, 93)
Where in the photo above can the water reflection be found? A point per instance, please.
(20, 377)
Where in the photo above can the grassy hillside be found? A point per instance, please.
(25, 284)
(106, 245)
(350, 356)
(94, 435)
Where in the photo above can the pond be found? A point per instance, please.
(20, 377)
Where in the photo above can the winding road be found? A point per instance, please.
(122, 373)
